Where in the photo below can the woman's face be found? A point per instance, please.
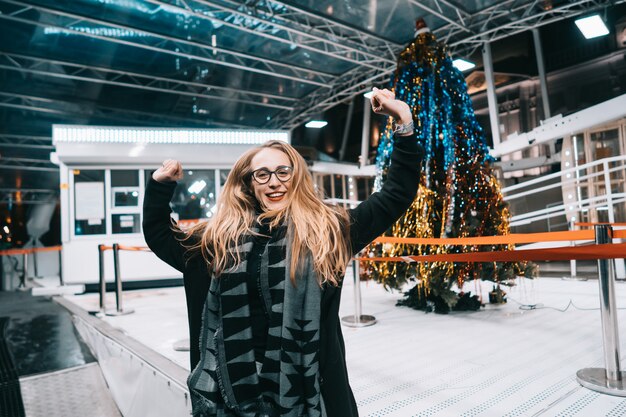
(273, 194)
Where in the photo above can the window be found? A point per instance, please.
(89, 203)
(125, 210)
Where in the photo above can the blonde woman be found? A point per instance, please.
(263, 277)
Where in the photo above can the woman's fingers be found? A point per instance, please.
(171, 170)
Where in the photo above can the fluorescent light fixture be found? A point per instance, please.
(463, 65)
(143, 136)
(368, 95)
(592, 26)
(316, 124)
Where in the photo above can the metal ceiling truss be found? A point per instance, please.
(299, 20)
(101, 75)
(91, 111)
(454, 15)
(511, 17)
(28, 164)
(237, 17)
(27, 142)
(66, 21)
(344, 88)
(464, 32)
(493, 23)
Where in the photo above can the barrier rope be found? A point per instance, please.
(28, 251)
(587, 252)
(591, 252)
(572, 235)
(134, 248)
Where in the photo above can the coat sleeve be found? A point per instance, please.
(378, 213)
(158, 229)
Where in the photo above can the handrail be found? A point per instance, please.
(563, 172)
(576, 180)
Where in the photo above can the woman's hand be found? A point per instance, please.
(171, 170)
(384, 102)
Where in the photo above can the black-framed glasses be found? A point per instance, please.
(263, 175)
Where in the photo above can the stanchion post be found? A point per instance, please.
(61, 282)
(358, 319)
(22, 283)
(103, 284)
(118, 284)
(35, 269)
(609, 380)
(572, 262)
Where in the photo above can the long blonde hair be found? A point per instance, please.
(314, 226)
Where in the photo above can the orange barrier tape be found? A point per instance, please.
(514, 238)
(591, 252)
(599, 224)
(30, 250)
(105, 247)
(134, 248)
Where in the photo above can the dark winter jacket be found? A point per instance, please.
(367, 221)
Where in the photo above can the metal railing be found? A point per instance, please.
(593, 176)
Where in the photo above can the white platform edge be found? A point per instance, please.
(142, 382)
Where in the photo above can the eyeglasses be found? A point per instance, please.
(263, 175)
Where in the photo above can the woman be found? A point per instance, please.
(263, 277)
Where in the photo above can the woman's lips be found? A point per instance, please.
(275, 196)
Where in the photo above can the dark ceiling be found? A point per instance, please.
(215, 63)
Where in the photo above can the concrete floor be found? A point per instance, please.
(516, 359)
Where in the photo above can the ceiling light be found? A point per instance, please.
(463, 65)
(316, 124)
(592, 26)
(197, 186)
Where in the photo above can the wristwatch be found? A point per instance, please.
(403, 129)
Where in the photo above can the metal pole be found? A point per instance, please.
(22, 283)
(542, 74)
(103, 284)
(609, 380)
(118, 284)
(620, 268)
(346, 131)
(358, 319)
(35, 263)
(118, 281)
(492, 99)
(572, 262)
(357, 291)
(61, 282)
(365, 133)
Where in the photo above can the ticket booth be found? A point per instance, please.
(103, 175)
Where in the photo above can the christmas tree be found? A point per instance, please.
(459, 195)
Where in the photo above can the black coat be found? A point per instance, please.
(368, 221)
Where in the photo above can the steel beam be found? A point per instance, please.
(101, 75)
(305, 38)
(27, 142)
(342, 89)
(305, 20)
(440, 14)
(500, 20)
(510, 17)
(97, 112)
(177, 47)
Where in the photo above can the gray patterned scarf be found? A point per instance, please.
(225, 383)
